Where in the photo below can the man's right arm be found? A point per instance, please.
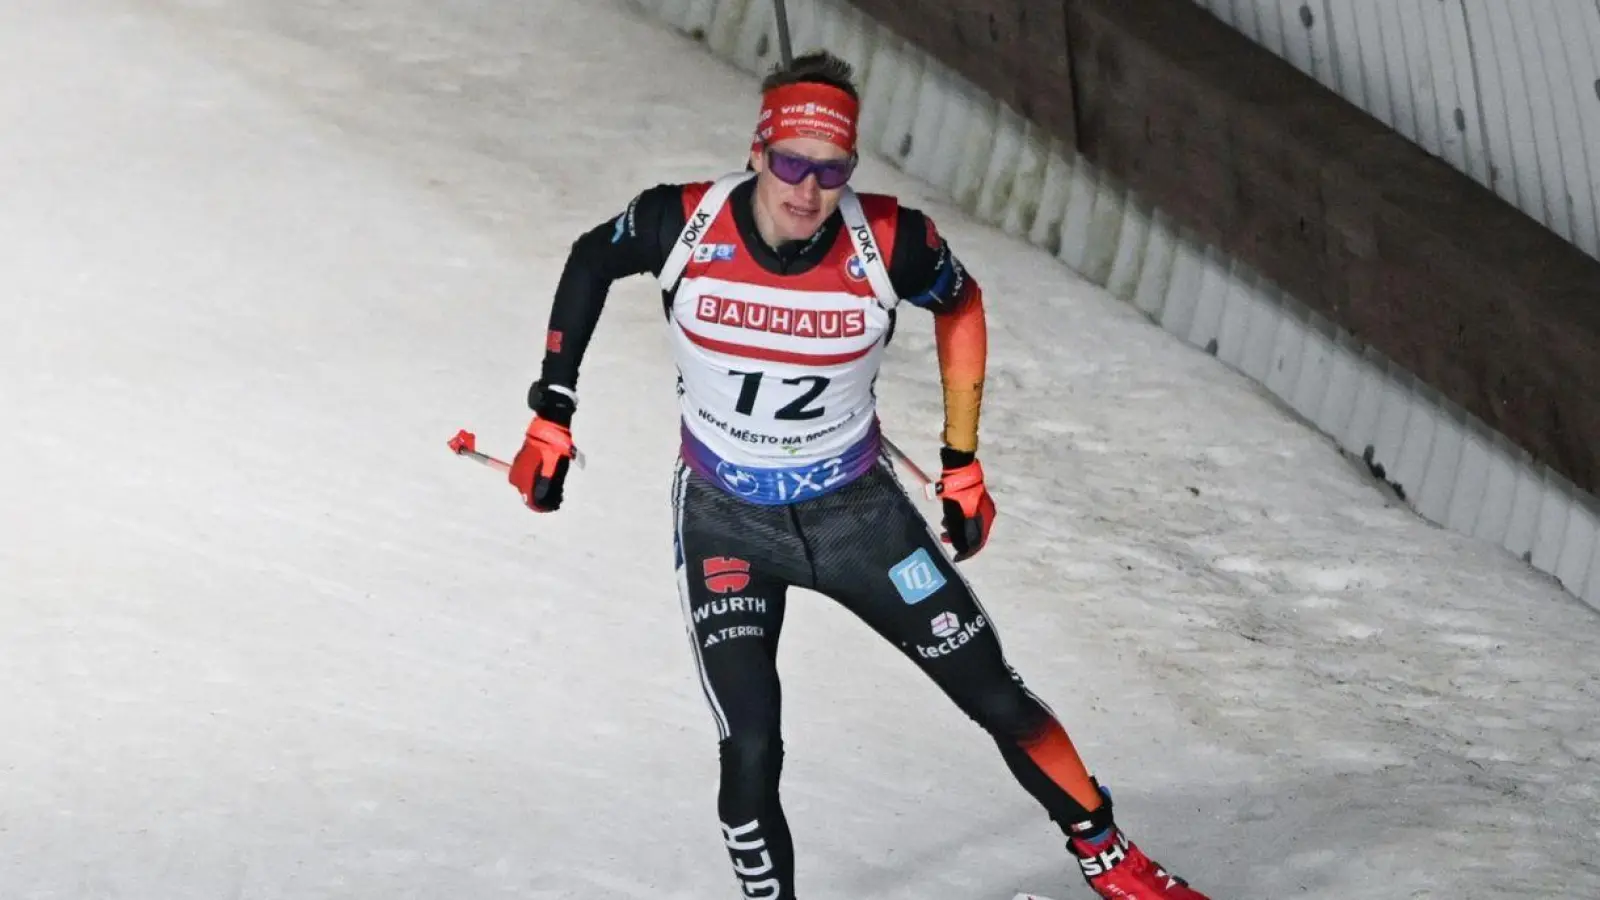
(636, 241)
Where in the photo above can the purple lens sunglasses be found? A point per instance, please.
(791, 169)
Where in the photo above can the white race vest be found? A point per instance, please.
(776, 372)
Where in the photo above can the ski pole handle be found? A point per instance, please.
(465, 443)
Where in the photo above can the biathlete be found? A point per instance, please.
(780, 287)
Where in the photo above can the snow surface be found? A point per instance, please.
(262, 636)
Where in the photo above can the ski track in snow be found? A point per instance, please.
(264, 638)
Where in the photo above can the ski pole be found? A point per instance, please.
(785, 49)
(930, 487)
(465, 444)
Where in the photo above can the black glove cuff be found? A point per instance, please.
(952, 458)
(554, 406)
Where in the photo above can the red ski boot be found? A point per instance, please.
(1115, 867)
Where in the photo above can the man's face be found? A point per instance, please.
(796, 211)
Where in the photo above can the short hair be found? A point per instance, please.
(815, 67)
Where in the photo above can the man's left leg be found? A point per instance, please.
(875, 554)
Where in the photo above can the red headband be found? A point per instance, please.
(810, 110)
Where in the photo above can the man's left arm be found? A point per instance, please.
(926, 273)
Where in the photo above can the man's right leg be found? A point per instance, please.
(733, 600)
(877, 555)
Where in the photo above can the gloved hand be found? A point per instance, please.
(539, 470)
(968, 509)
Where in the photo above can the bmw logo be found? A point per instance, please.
(741, 482)
(856, 268)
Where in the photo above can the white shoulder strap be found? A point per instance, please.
(855, 222)
(695, 228)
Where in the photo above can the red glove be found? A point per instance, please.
(540, 467)
(968, 509)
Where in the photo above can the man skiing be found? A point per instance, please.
(780, 287)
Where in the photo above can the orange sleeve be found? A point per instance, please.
(962, 338)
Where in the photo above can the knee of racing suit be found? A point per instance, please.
(1006, 712)
(751, 763)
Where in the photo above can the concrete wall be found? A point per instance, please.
(1506, 91)
(998, 167)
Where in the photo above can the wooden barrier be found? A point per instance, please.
(1015, 50)
(1408, 255)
